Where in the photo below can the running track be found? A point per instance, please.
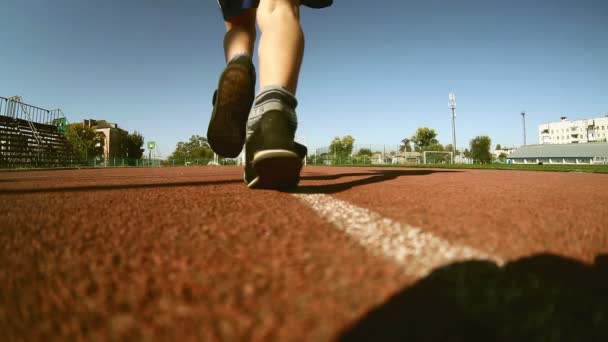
(189, 253)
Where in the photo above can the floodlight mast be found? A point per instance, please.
(523, 118)
(452, 98)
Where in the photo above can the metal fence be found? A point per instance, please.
(145, 162)
(373, 148)
(361, 154)
(14, 108)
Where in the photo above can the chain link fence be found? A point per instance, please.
(363, 154)
(145, 162)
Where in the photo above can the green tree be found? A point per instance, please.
(348, 142)
(132, 145)
(480, 149)
(449, 148)
(502, 156)
(434, 147)
(342, 148)
(87, 142)
(364, 152)
(498, 147)
(423, 138)
(364, 155)
(335, 147)
(195, 149)
(406, 145)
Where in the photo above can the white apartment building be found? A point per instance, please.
(573, 132)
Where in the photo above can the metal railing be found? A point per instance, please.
(15, 108)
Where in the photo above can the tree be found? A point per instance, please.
(132, 145)
(335, 147)
(364, 152)
(196, 148)
(348, 142)
(480, 149)
(498, 147)
(406, 145)
(433, 147)
(87, 142)
(423, 138)
(502, 156)
(341, 148)
(449, 148)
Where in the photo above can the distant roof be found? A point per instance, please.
(586, 150)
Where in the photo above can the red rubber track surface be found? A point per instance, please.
(191, 253)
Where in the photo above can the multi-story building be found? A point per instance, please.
(573, 132)
(113, 137)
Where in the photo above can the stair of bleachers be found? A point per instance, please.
(20, 146)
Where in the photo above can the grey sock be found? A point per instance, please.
(272, 98)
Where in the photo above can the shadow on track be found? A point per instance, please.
(89, 188)
(539, 298)
(375, 176)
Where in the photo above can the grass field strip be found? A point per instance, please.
(419, 252)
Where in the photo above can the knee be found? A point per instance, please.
(271, 12)
(244, 22)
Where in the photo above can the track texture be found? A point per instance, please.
(191, 253)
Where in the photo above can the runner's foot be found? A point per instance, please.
(273, 159)
(231, 104)
(316, 3)
(268, 169)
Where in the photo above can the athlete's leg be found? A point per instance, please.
(236, 87)
(240, 35)
(273, 159)
(281, 44)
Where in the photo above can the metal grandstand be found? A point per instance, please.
(31, 136)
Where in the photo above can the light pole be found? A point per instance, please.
(523, 119)
(452, 98)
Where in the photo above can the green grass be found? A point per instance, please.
(529, 167)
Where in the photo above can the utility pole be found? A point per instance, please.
(523, 118)
(452, 98)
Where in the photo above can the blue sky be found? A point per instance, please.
(377, 70)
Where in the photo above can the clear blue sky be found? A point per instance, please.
(377, 70)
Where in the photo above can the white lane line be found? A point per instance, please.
(419, 252)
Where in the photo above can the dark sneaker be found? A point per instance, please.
(316, 3)
(272, 159)
(231, 104)
(254, 181)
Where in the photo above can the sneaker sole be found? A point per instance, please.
(227, 127)
(276, 169)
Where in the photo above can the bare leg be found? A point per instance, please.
(235, 92)
(282, 43)
(240, 35)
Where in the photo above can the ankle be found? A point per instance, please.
(276, 92)
(273, 99)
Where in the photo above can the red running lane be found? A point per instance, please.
(501, 212)
(173, 253)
